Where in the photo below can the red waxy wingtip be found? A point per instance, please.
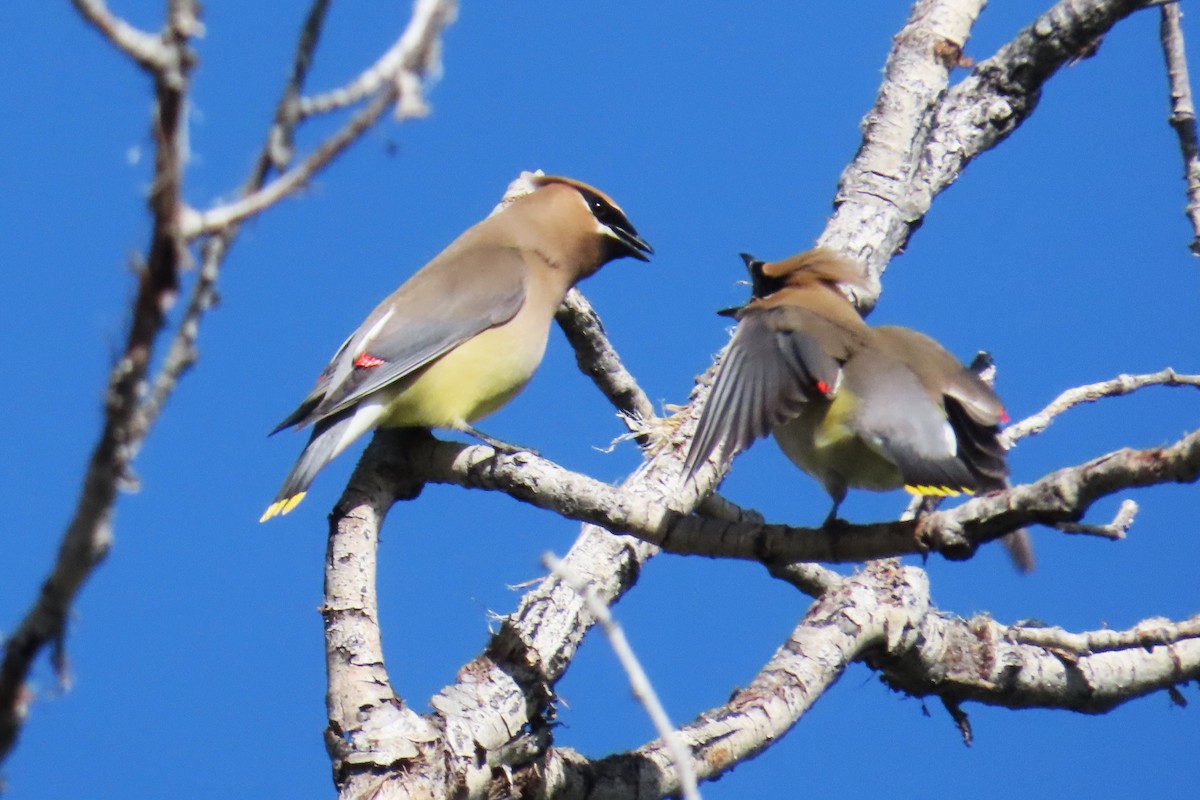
(366, 360)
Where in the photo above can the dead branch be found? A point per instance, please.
(1183, 111)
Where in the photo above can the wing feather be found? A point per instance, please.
(459, 294)
(778, 360)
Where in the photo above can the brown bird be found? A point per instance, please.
(853, 406)
(465, 333)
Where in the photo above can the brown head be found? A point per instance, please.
(819, 265)
(573, 226)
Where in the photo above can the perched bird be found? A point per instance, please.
(853, 406)
(464, 334)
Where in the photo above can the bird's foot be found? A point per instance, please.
(499, 445)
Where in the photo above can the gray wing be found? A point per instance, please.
(453, 298)
(931, 439)
(778, 359)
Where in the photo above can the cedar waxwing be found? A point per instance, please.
(464, 334)
(853, 406)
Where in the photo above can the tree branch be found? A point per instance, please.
(880, 608)
(1183, 111)
(680, 757)
(147, 50)
(877, 206)
(415, 56)
(89, 534)
(419, 49)
(979, 659)
(1146, 635)
(1090, 393)
(598, 360)
(645, 511)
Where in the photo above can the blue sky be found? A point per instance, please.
(196, 650)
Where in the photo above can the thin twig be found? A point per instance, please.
(1115, 530)
(1115, 387)
(183, 353)
(1146, 634)
(147, 50)
(415, 54)
(198, 223)
(419, 49)
(1183, 111)
(278, 153)
(639, 682)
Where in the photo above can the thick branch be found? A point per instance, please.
(979, 659)
(880, 608)
(369, 726)
(920, 135)
(956, 533)
(877, 206)
(1001, 92)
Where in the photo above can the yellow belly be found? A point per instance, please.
(471, 381)
(820, 443)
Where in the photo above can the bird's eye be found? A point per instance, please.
(603, 211)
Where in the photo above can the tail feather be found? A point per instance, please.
(322, 446)
(1020, 550)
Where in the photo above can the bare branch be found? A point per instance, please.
(198, 223)
(599, 361)
(1000, 93)
(639, 682)
(981, 660)
(645, 511)
(148, 50)
(1183, 111)
(1146, 634)
(1115, 387)
(1115, 530)
(418, 55)
(182, 353)
(414, 56)
(278, 152)
(876, 206)
(879, 609)
(89, 534)
(369, 726)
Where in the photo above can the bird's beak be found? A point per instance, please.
(635, 246)
(732, 311)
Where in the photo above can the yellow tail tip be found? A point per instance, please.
(282, 506)
(936, 491)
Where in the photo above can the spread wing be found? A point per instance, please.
(453, 298)
(778, 359)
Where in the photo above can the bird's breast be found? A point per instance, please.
(822, 442)
(475, 378)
